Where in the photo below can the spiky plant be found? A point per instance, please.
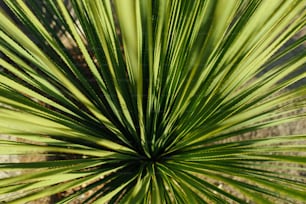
(142, 101)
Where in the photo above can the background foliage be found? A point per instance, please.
(143, 101)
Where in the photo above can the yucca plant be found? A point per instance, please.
(142, 101)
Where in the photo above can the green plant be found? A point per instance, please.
(154, 98)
